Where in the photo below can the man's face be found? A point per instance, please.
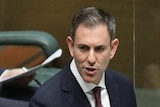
(92, 51)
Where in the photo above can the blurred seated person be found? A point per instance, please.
(17, 89)
(151, 77)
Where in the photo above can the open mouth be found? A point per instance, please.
(90, 71)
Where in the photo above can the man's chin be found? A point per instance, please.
(89, 80)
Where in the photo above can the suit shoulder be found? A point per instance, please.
(117, 76)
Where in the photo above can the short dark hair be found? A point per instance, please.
(92, 16)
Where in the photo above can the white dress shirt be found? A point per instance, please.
(87, 87)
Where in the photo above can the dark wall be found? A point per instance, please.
(54, 16)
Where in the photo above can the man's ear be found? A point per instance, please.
(114, 46)
(69, 41)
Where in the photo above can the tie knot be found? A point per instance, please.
(96, 90)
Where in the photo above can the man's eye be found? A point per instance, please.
(83, 48)
(99, 49)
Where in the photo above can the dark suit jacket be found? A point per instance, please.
(63, 90)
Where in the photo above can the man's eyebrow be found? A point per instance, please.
(82, 45)
(100, 46)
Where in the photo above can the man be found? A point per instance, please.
(17, 89)
(92, 44)
(16, 93)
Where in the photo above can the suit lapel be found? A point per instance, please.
(112, 89)
(74, 96)
(72, 92)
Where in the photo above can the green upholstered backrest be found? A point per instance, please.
(39, 38)
(42, 39)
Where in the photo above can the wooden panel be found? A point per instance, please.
(12, 56)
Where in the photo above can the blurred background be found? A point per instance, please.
(138, 23)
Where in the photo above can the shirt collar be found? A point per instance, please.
(86, 87)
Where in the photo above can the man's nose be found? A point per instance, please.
(91, 57)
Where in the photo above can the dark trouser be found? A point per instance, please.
(16, 93)
(4, 102)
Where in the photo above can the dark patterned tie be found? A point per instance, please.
(97, 95)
